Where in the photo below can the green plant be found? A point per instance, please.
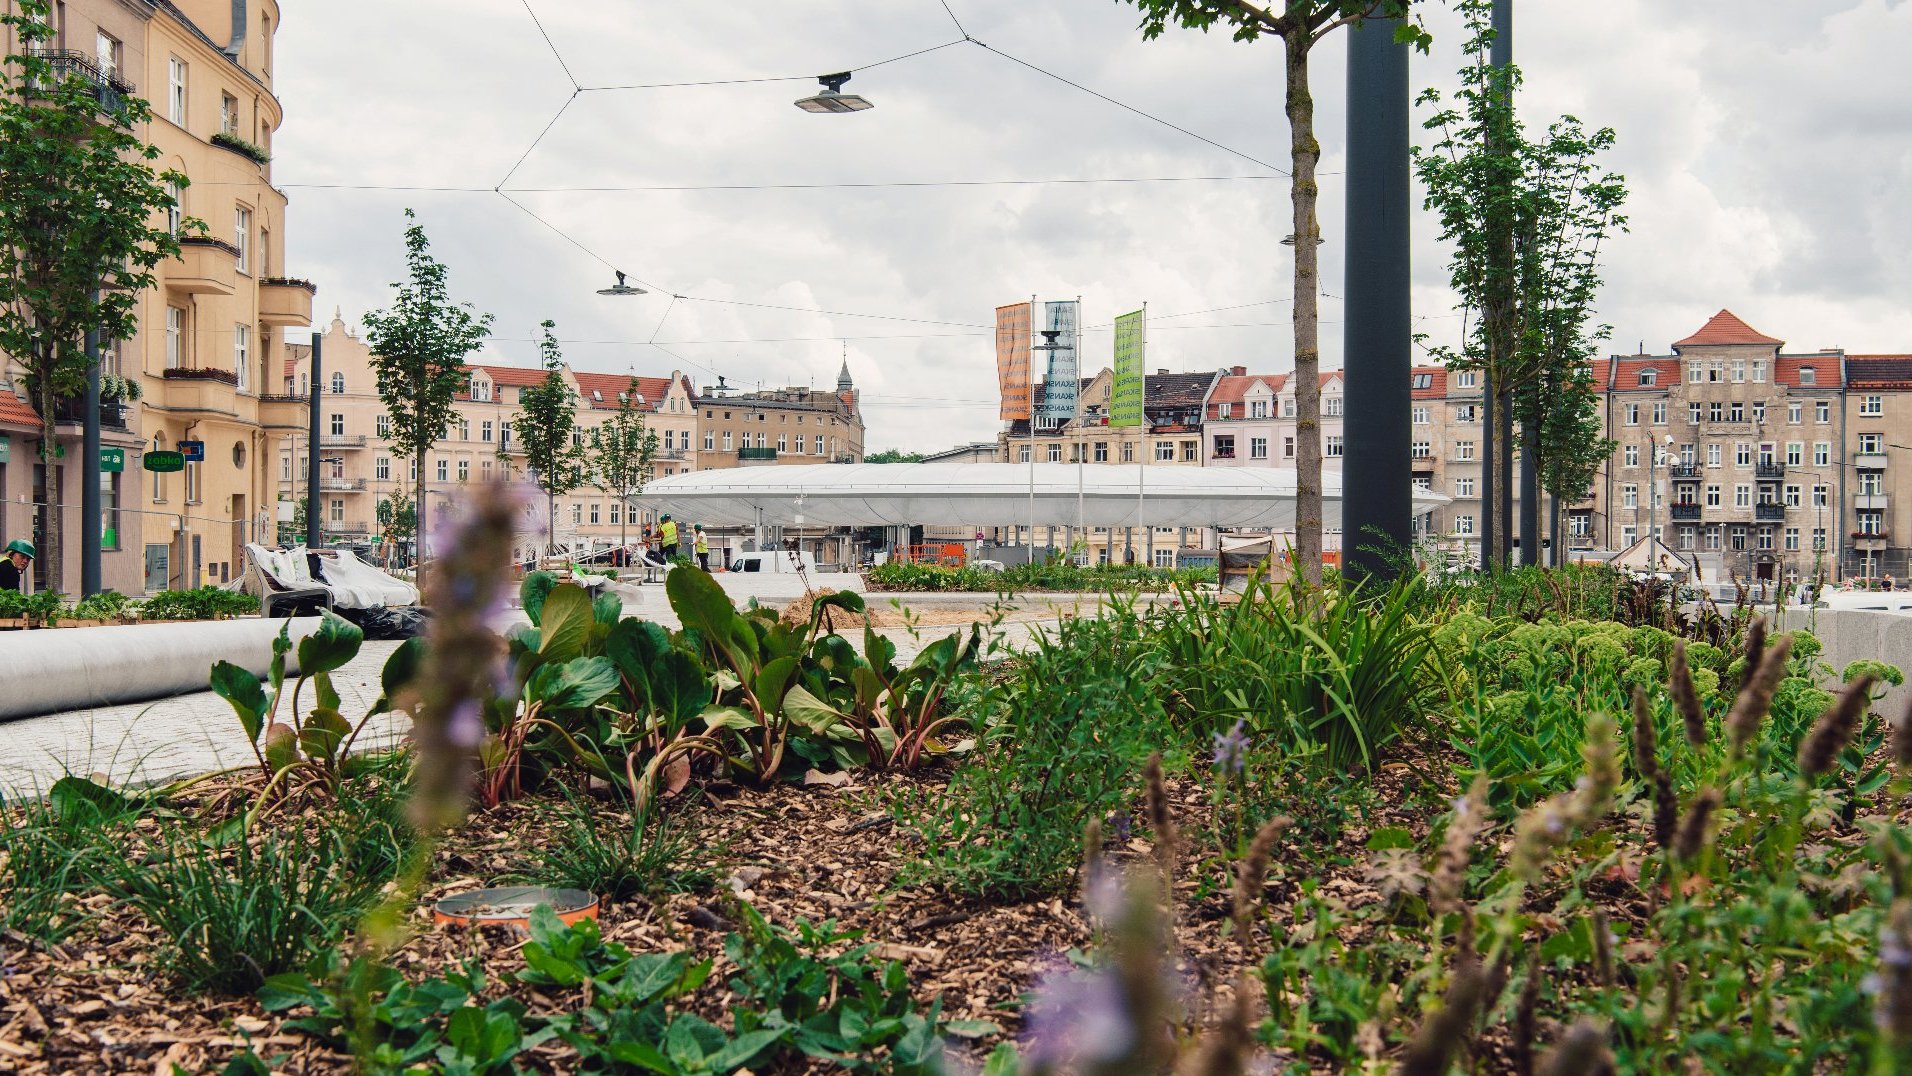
(203, 603)
(106, 605)
(232, 915)
(54, 848)
(443, 1019)
(902, 576)
(1009, 823)
(615, 854)
(42, 607)
(247, 149)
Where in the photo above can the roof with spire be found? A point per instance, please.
(1725, 327)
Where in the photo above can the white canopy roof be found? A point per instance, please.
(994, 494)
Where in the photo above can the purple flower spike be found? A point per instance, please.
(1075, 1017)
(1231, 749)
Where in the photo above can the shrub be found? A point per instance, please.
(54, 848)
(1041, 576)
(615, 854)
(203, 603)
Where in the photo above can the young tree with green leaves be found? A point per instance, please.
(1526, 219)
(397, 515)
(622, 454)
(1300, 25)
(419, 346)
(82, 215)
(893, 455)
(546, 425)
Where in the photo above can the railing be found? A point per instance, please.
(1687, 513)
(205, 373)
(112, 412)
(341, 440)
(282, 397)
(346, 528)
(1769, 511)
(342, 485)
(756, 453)
(208, 241)
(1871, 537)
(1769, 471)
(1869, 461)
(289, 282)
(1684, 472)
(111, 89)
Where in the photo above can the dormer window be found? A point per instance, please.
(1423, 381)
(596, 396)
(1649, 378)
(1808, 375)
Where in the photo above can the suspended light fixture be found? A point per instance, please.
(621, 288)
(833, 99)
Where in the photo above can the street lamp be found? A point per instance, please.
(621, 288)
(833, 99)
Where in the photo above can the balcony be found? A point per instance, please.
(1686, 513)
(282, 412)
(1684, 472)
(197, 389)
(341, 440)
(113, 413)
(106, 86)
(336, 527)
(1769, 512)
(336, 484)
(1869, 540)
(206, 266)
(759, 455)
(286, 301)
(1769, 472)
(1869, 502)
(1869, 461)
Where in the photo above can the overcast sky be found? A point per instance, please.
(1767, 145)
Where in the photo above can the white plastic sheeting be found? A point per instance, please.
(995, 494)
(353, 583)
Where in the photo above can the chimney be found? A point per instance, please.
(1163, 372)
(1239, 371)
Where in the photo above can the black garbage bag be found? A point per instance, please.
(403, 622)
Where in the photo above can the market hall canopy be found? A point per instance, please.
(994, 494)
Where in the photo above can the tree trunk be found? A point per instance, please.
(551, 522)
(418, 528)
(1504, 437)
(1304, 154)
(50, 550)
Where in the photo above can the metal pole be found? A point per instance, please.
(1377, 503)
(90, 536)
(312, 453)
(1032, 430)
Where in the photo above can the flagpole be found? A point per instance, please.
(1032, 431)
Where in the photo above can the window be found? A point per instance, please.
(338, 510)
(1821, 495)
(1792, 539)
(594, 511)
(338, 384)
(229, 114)
(710, 441)
(1659, 413)
(1288, 407)
(338, 425)
(464, 470)
(176, 90)
(1287, 448)
(1808, 376)
(1712, 455)
(1423, 381)
(1819, 539)
(1055, 453)
(1631, 455)
(242, 355)
(1463, 524)
(1463, 450)
(1101, 451)
(192, 483)
(1713, 373)
(382, 468)
(1872, 405)
(1222, 409)
(1224, 447)
(1759, 371)
(1693, 413)
(484, 431)
(1793, 412)
(1191, 451)
(1822, 411)
(1649, 377)
(1165, 558)
(1629, 496)
(175, 320)
(1128, 452)
(1164, 451)
(783, 442)
(1630, 414)
(1468, 413)
(1332, 405)
(1695, 374)
(504, 434)
(1022, 454)
(1712, 497)
(1795, 453)
(242, 236)
(817, 443)
(1743, 454)
(1822, 452)
(1759, 412)
(444, 470)
(1258, 409)
(1333, 449)
(1765, 453)
(1421, 416)
(1713, 538)
(616, 514)
(1791, 496)
(1765, 538)
(1737, 537)
(1742, 496)
(385, 425)
(1871, 483)
(577, 514)
(1739, 371)
(1464, 487)
(1258, 448)
(1736, 412)
(1464, 379)
(1715, 411)
(1871, 443)
(1421, 450)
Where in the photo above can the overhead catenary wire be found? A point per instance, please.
(674, 188)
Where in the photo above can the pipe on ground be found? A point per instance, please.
(57, 670)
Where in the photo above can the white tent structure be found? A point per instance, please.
(995, 494)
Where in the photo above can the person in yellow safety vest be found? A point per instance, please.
(668, 527)
(701, 543)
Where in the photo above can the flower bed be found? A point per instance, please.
(50, 609)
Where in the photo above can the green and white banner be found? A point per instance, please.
(1125, 395)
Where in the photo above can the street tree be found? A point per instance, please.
(83, 223)
(1300, 25)
(893, 455)
(397, 515)
(419, 346)
(1526, 218)
(623, 454)
(546, 427)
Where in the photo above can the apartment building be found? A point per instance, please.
(359, 467)
(1878, 404)
(209, 329)
(1249, 420)
(795, 425)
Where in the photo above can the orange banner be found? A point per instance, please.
(1012, 359)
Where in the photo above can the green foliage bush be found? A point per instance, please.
(202, 603)
(1035, 577)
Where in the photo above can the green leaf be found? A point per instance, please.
(742, 1050)
(324, 729)
(281, 747)
(565, 623)
(243, 692)
(773, 679)
(607, 608)
(334, 643)
(805, 709)
(574, 685)
(398, 673)
(728, 717)
(76, 799)
(700, 603)
(533, 592)
(1386, 837)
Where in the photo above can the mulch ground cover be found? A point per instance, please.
(98, 1004)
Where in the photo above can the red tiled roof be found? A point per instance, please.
(608, 386)
(15, 411)
(1725, 328)
(1825, 371)
(1879, 371)
(1437, 383)
(521, 376)
(1626, 377)
(1233, 389)
(1600, 368)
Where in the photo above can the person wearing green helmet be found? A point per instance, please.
(14, 565)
